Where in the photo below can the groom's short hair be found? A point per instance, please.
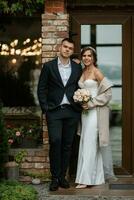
(68, 40)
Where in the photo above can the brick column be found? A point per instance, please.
(55, 27)
(55, 6)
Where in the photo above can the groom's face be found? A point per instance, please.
(66, 49)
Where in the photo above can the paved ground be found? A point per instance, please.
(94, 193)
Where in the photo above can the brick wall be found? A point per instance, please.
(54, 29)
(55, 26)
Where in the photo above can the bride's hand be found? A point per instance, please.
(85, 106)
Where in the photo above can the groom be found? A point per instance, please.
(57, 83)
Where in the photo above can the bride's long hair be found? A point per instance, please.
(93, 52)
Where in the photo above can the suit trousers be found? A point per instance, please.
(62, 125)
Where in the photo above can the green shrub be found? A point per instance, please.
(4, 147)
(43, 176)
(18, 158)
(13, 190)
(27, 7)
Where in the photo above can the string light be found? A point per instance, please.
(18, 51)
(14, 61)
(28, 48)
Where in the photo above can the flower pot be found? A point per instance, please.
(12, 170)
(28, 142)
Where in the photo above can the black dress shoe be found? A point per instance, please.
(63, 183)
(54, 185)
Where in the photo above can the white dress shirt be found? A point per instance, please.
(65, 72)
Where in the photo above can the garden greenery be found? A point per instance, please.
(13, 190)
(4, 147)
(18, 158)
(27, 7)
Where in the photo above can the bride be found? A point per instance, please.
(94, 164)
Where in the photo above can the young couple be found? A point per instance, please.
(58, 81)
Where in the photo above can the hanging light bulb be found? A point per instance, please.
(14, 61)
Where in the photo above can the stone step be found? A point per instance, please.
(122, 184)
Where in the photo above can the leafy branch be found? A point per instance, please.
(27, 7)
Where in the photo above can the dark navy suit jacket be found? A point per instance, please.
(51, 89)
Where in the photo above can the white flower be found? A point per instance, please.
(82, 96)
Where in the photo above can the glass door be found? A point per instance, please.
(111, 36)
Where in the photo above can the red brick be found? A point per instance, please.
(49, 16)
(40, 153)
(61, 34)
(52, 6)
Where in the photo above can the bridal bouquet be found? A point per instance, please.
(81, 96)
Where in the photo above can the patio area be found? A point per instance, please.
(123, 190)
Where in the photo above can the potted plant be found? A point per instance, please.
(32, 134)
(25, 136)
(12, 167)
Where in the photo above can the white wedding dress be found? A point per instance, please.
(90, 166)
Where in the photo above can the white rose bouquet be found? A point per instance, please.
(82, 96)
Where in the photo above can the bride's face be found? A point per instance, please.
(87, 58)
